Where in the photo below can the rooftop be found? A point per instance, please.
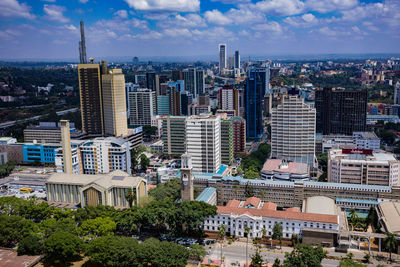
(320, 205)
(390, 215)
(278, 165)
(206, 194)
(359, 155)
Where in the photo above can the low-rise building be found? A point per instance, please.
(363, 166)
(47, 132)
(282, 170)
(389, 216)
(366, 140)
(259, 215)
(7, 141)
(39, 153)
(93, 190)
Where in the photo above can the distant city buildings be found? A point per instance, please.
(194, 81)
(293, 131)
(142, 107)
(341, 111)
(222, 57)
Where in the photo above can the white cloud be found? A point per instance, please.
(370, 26)
(304, 21)
(327, 32)
(9, 34)
(363, 11)
(232, 1)
(83, 1)
(121, 13)
(245, 16)
(280, 7)
(13, 9)
(190, 20)
(71, 27)
(165, 5)
(216, 17)
(324, 6)
(177, 32)
(214, 34)
(55, 13)
(149, 35)
(272, 26)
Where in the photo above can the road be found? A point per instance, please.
(12, 123)
(236, 252)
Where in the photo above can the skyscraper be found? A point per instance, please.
(293, 130)
(239, 135)
(222, 56)
(176, 75)
(256, 86)
(174, 135)
(341, 111)
(113, 88)
(229, 99)
(203, 142)
(142, 104)
(397, 94)
(194, 81)
(152, 81)
(226, 141)
(89, 77)
(237, 60)
(82, 46)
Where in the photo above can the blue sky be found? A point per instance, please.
(49, 29)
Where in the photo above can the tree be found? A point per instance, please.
(130, 196)
(390, 243)
(6, 169)
(248, 190)
(221, 234)
(113, 251)
(135, 156)
(236, 189)
(62, 247)
(170, 189)
(246, 232)
(13, 228)
(263, 232)
(277, 263)
(144, 162)
(256, 259)
(30, 245)
(353, 218)
(350, 263)
(251, 174)
(93, 228)
(350, 255)
(295, 239)
(304, 255)
(197, 252)
(367, 258)
(277, 232)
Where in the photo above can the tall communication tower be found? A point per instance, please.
(82, 46)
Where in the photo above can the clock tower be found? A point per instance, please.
(186, 178)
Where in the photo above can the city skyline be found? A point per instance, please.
(50, 29)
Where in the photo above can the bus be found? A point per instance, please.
(26, 190)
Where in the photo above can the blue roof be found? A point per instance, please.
(206, 194)
(222, 169)
(363, 201)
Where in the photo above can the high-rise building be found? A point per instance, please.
(293, 131)
(176, 75)
(140, 79)
(129, 87)
(82, 45)
(66, 146)
(174, 93)
(237, 60)
(142, 105)
(229, 99)
(231, 62)
(239, 135)
(173, 135)
(152, 81)
(222, 57)
(89, 77)
(226, 141)
(256, 86)
(114, 97)
(194, 109)
(194, 81)
(341, 111)
(186, 100)
(397, 94)
(163, 107)
(203, 142)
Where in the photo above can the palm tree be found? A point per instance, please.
(353, 218)
(130, 196)
(236, 189)
(390, 243)
(221, 234)
(247, 231)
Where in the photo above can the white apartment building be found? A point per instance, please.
(257, 215)
(203, 142)
(293, 131)
(99, 155)
(366, 140)
(363, 166)
(142, 107)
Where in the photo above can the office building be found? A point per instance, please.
(227, 113)
(130, 87)
(174, 93)
(229, 99)
(82, 45)
(256, 86)
(366, 140)
(341, 111)
(282, 170)
(93, 190)
(231, 62)
(203, 142)
(195, 109)
(239, 135)
(176, 75)
(186, 99)
(361, 140)
(258, 215)
(73, 157)
(91, 102)
(142, 107)
(226, 141)
(47, 132)
(39, 153)
(134, 137)
(163, 105)
(140, 79)
(389, 216)
(237, 60)
(12, 151)
(293, 131)
(114, 97)
(173, 135)
(152, 81)
(222, 57)
(194, 81)
(363, 166)
(397, 94)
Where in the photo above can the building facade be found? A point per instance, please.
(341, 111)
(293, 131)
(226, 141)
(203, 142)
(229, 100)
(194, 81)
(39, 153)
(173, 135)
(142, 105)
(239, 135)
(222, 57)
(363, 166)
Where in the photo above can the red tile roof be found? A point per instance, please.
(269, 206)
(293, 209)
(254, 201)
(279, 214)
(292, 167)
(233, 203)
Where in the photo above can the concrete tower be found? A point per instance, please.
(66, 146)
(187, 178)
(82, 46)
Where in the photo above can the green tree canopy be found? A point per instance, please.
(30, 245)
(99, 226)
(197, 252)
(304, 255)
(62, 247)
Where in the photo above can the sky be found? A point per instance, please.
(49, 29)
